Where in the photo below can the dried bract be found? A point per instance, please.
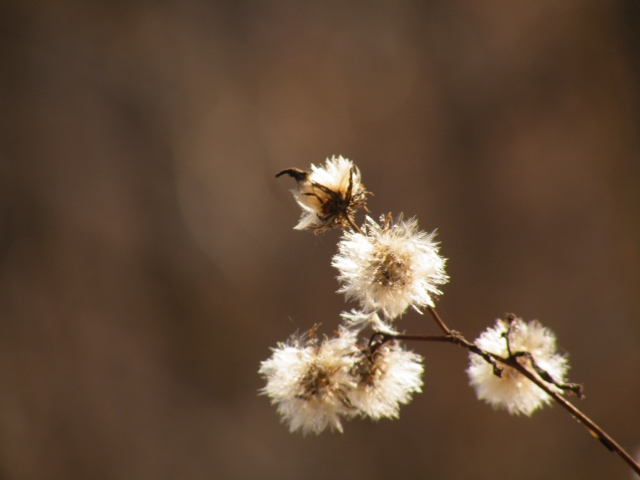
(329, 195)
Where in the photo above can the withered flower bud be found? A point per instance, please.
(329, 195)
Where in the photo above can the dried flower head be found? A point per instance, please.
(387, 377)
(513, 391)
(310, 380)
(329, 195)
(389, 267)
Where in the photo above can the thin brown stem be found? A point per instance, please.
(590, 425)
(456, 338)
(353, 225)
(439, 321)
(412, 336)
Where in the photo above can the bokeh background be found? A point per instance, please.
(148, 261)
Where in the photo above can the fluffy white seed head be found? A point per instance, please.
(329, 195)
(309, 381)
(387, 379)
(513, 391)
(390, 267)
(358, 320)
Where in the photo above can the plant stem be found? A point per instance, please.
(590, 425)
(353, 225)
(439, 321)
(456, 338)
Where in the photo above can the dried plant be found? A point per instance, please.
(387, 267)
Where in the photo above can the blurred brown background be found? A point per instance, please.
(148, 261)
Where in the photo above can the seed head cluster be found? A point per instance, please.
(309, 380)
(387, 267)
(512, 390)
(386, 379)
(316, 383)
